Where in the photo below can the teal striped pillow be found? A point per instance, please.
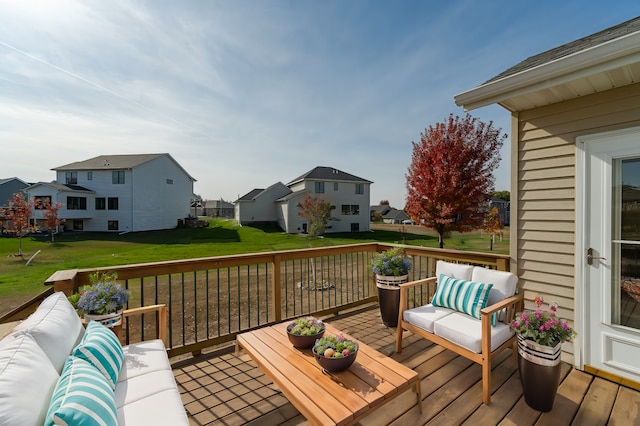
(82, 397)
(102, 349)
(463, 296)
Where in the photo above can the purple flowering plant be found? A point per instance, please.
(391, 263)
(542, 326)
(103, 296)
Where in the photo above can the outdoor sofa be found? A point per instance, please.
(470, 314)
(90, 376)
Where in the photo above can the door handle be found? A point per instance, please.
(591, 258)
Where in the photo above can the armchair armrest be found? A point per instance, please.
(162, 311)
(514, 301)
(404, 294)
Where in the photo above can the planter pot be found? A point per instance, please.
(303, 341)
(334, 365)
(389, 298)
(109, 320)
(539, 368)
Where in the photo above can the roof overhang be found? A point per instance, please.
(615, 63)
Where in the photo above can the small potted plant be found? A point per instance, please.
(103, 300)
(391, 268)
(303, 332)
(335, 353)
(540, 336)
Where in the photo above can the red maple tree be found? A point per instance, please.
(17, 215)
(51, 217)
(450, 179)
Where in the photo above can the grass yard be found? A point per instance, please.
(19, 282)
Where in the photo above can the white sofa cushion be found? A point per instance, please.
(464, 296)
(83, 396)
(27, 380)
(504, 283)
(137, 401)
(455, 270)
(466, 331)
(55, 326)
(425, 316)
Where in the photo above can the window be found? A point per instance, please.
(78, 225)
(359, 188)
(101, 203)
(112, 225)
(319, 187)
(76, 203)
(41, 201)
(169, 181)
(112, 203)
(117, 177)
(350, 209)
(355, 227)
(89, 175)
(335, 186)
(71, 178)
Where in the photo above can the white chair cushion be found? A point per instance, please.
(466, 331)
(455, 270)
(425, 316)
(143, 358)
(56, 327)
(504, 283)
(146, 411)
(27, 380)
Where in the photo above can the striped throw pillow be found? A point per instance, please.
(102, 349)
(82, 397)
(463, 296)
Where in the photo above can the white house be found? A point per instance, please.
(119, 193)
(278, 204)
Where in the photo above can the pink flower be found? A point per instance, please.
(539, 301)
(346, 352)
(553, 306)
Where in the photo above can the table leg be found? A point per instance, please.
(419, 395)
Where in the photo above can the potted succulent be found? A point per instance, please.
(335, 353)
(540, 336)
(103, 300)
(391, 268)
(303, 332)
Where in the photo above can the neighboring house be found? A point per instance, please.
(503, 207)
(278, 204)
(394, 216)
(575, 164)
(381, 209)
(218, 208)
(8, 187)
(119, 193)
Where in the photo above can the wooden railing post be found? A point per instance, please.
(65, 281)
(277, 288)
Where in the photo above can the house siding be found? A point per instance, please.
(544, 189)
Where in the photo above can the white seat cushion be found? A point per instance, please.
(466, 331)
(27, 380)
(55, 326)
(142, 358)
(455, 270)
(425, 316)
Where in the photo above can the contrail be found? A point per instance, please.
(100, 87)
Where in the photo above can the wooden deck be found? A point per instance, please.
(223, 388)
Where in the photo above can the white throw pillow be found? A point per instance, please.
(56, 327)
(27, 380)
(504, 283)
(455, 270)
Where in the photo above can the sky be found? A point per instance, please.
(244, 94)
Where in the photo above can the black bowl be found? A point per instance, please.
(303, 341)
(334, 365)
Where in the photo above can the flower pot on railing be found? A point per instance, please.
(110, 320)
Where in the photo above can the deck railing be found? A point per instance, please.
(213, 299)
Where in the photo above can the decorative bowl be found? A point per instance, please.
(334, 365)
(303, 341)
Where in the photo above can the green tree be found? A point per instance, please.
(450, 178)
(503, 195)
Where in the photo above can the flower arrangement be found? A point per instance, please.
(542, 326)
(392, 262)
(331, 346)
(103, 296)
(307, 326)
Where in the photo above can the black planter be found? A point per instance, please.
(389, 298)
(539, 368)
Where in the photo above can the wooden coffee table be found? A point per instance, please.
(328, 398)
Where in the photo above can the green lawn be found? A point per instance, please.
(222, 237)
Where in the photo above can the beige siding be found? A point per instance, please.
(545, 216)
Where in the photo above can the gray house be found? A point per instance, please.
(8, 187)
